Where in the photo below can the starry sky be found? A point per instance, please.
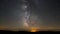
(48, 12)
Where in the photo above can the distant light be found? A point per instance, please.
(33, 30)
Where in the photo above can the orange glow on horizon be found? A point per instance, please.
(33, 30)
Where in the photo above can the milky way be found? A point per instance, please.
(27, 14)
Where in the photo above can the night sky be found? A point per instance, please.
(48, 12)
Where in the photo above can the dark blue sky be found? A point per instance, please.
(48, 11)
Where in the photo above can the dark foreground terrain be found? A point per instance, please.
(6, 31)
